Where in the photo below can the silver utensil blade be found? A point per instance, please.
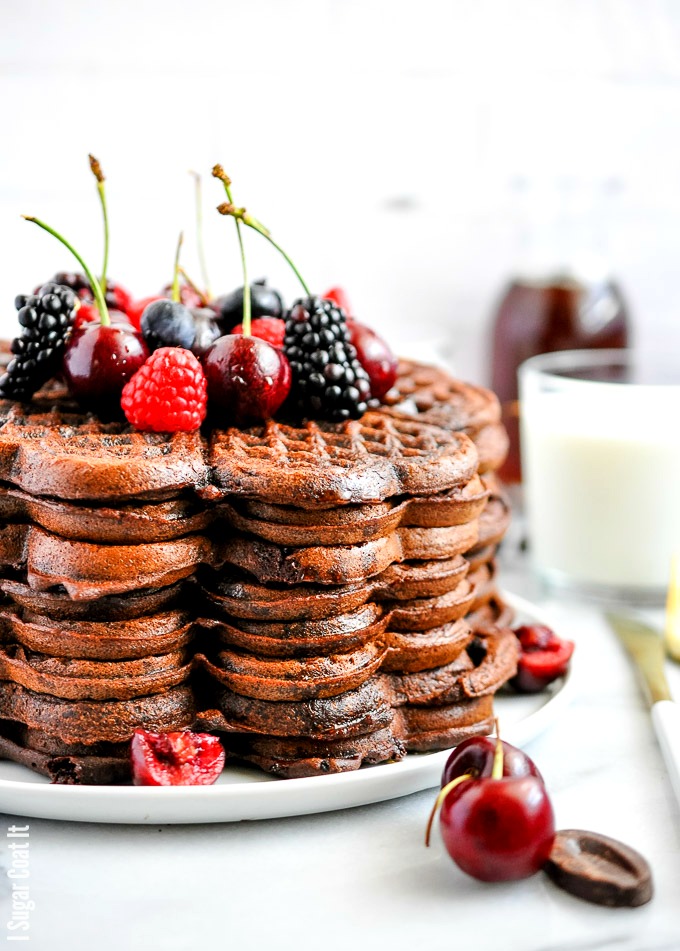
(645, 645)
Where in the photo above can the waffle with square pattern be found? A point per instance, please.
(94, 764)
(61, 453)
(323, 465)
(360, 582)
(173, 518)
(231, 594)
(442, 400)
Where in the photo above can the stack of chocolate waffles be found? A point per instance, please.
(322, 595)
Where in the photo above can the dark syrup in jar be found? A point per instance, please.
(541, 316)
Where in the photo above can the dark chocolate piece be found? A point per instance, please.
(599, 869)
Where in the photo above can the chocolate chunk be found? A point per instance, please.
(599, 869)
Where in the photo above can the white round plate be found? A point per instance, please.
(245, 793)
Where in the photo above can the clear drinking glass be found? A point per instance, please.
(601, 457)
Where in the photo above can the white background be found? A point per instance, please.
(402, 149)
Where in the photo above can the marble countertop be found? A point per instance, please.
(362, 877)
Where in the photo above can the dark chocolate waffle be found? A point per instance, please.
(441, 400)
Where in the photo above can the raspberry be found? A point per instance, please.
(167, 394)
(271, 329)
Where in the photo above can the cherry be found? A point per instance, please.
(175, 759)
(339, 296)
(99, 360)
(496, 827)
(475, 757)
(100, 357)
(543, 658)
(246, 376)
(498, 830)
(137, 308)
(270, 329)
(375, 356)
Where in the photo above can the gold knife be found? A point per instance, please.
(646, 647)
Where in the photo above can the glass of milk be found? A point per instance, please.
(601, 459)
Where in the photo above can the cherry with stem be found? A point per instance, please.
(247, 377)
(100, 357)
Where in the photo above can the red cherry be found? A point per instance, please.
(543, 658)
(100, 360)
(498, 829)
(136, 309)
(175, 759)
(246, 376)
(339, 297)
(271, 329)
(475, 757)
(121, 298)
(375, 356)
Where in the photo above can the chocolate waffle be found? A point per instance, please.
(323, 465)
(65, 454)
(440, 400)
(88, 571)
(440, 707)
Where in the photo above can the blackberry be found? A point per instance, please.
(80, 286)
(328, 380)
(46, 319)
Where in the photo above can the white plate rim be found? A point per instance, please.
(262, 798)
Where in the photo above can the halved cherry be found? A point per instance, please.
(176, 759)
(543, 658)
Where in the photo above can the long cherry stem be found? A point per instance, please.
(195, 288)
(497, 768)
(94, 283)
(240, 214)
(99, 175)
(218, 172)
(199, 233)
(175, 276)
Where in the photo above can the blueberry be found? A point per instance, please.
(264, 302)
(207, 330)
(166, 323)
